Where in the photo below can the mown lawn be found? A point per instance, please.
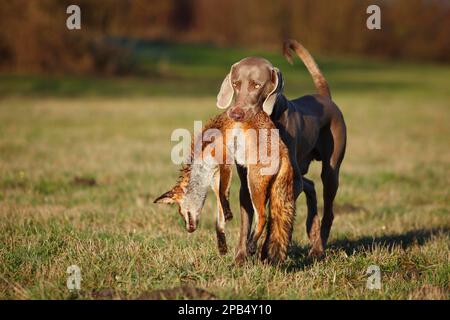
(78, 174)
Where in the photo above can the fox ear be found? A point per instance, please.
(167, 198)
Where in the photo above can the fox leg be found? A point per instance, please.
(220, 219)
(224, 190)
(258, 186)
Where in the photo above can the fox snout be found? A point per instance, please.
(236, 113)
(191, 225)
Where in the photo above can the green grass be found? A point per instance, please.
(392, 208)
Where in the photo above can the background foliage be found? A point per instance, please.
(33, 36)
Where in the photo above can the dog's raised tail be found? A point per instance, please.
(318, 78)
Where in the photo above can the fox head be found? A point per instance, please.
(185, 208)
(189, 194)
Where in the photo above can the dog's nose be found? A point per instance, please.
(237, 114)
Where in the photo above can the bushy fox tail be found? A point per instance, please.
(281, 216)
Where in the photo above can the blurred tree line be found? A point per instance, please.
(34, 37)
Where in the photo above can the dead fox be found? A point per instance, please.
(268, 181)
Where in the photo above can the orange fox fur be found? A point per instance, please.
(275, 188)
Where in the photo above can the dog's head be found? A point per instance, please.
(252, 84)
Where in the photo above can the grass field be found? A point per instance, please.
(79, 168)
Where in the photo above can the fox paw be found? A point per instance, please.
(251, 248)
(228, 215)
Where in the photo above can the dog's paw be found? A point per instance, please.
(240, 258)
(316, 254)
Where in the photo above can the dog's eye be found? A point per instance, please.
(235, 84)
(257, 85)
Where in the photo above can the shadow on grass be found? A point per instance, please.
(300, 259)
(182, 292)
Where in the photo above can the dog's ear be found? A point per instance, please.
(277, 79)
(167, 197)
(226, 93)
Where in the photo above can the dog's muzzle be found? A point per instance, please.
(236, 114)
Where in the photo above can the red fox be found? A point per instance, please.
(268, 181)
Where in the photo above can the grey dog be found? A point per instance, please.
(312, 127)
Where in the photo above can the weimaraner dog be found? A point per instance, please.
(312, 127)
